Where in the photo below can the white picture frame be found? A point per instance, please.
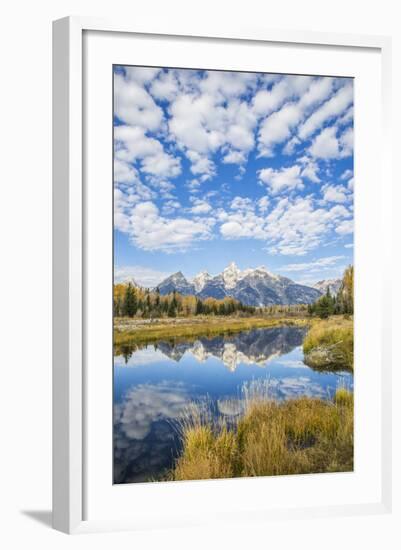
(70, 257)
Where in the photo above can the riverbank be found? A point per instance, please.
(329, 344)
(297, 436)
(135, 331)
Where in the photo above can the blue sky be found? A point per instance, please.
(212, 167)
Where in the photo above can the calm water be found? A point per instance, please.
(152, 386)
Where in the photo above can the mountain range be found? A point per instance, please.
(252, 287)
(332, 284)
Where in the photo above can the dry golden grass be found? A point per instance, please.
(330, 344)
(130, 331)
(293, 437)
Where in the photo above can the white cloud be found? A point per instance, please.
(351, 184)
(210, 115)
(124, 172)
(143, 276)
(193, 185)
(318, 91)
(214, 118)
(282, 179)
(266, 102)
(133, 145)
(165, 87)
(141, 75)
(263, 204)
(346, 118)
(326, 145)
(292, 227)
(242, 225)
(310, 169)
(240, 137)
(346, 174)
(330, 109)
(315, 265)
(151, 231)
(201, 165)
(333, 193)
(161, 165)
(128, 191)
(241, 203)
(226, 84)
(291, 145)
(242, 221)
(295, 226)
(134, 105)
(234, 157)
(278, 126)
(347, 142)
(200, 207)
(123, 202)
(345, 227)
(187, 124)
(339, 211)
(210, 112)
(170, 206)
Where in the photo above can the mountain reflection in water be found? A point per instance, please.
(255, 347)
(153, 385)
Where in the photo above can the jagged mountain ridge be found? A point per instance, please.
(332, 284)
(252, 287)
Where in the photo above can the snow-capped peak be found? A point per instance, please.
(255, 287)
(200, 280)
(131, 280)
(262, 269)
(332, 284)
(231, 274)
(177, 276)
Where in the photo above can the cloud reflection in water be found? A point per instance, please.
(165, 377)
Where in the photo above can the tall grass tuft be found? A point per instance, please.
(329, 344)
(297, 436)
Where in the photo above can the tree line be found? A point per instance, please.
(340, 304)
(132, 301)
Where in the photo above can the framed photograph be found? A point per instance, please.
(220, 257)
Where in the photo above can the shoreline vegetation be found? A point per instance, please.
(267, 438)
(138, 331)
(298, 436)
(329, 344)
(143, 316)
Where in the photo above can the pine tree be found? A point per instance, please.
(172, 309)
(130, 306)
(199, 307)
(157, 300)
(222, 309)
